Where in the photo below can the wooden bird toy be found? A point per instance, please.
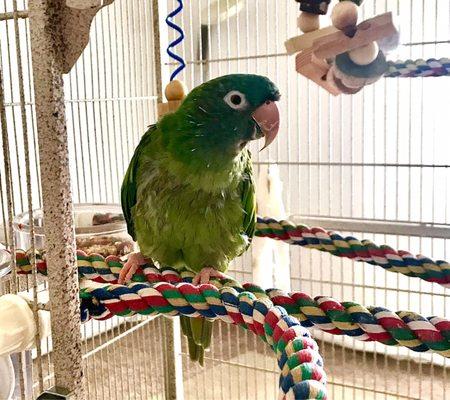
(175, 92)
(344, 57)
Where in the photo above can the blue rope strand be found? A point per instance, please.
(177, 41)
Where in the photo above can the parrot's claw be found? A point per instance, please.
(204, 276)
(135, 260)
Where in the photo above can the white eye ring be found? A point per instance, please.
(236, 100)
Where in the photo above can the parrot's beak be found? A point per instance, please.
(267, 119)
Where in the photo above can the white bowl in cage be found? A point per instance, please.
(99, 228)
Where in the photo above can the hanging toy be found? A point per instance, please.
(358, 67)
(176, 90)
(344, 57)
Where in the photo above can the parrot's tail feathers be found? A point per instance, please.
(185, 326)
(201, 331)
(207, 334)
(201, 356)
(196, 352)
(198, 332)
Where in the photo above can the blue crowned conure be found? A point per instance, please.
(188, 196)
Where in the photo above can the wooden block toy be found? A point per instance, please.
(305, 41)
(326, 44)
(316, 69)
(330, 41)
(170, 106)
(367, 31)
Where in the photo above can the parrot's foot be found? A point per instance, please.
(204, 276)
(135, 260)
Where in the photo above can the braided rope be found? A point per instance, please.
(384, 256)
(401, 328)
(302, 374)
(169, 292)
(418, 68)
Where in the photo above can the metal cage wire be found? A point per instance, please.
(377, 156)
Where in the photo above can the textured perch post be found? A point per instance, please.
(47, 42)
(173, 375)
(175, 92)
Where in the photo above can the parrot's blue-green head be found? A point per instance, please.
(218, 118)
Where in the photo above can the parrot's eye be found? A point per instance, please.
(236, 100)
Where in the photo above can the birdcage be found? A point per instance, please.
(80, 82)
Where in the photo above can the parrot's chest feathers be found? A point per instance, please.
(189, 219)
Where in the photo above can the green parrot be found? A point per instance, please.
(188, 195)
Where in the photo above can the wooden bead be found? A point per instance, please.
(308, 22)
(175, 90)
(344, 15)
(373, 70)
(364, 55)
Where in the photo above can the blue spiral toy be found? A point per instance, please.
(176, 41)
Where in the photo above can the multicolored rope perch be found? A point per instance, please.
(399, 261)
(384, 256)
(302, 375)
(402, 328)
(418, 68)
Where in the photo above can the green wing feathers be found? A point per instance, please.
(128, 192)
(128, 195)
(248, 197)
(197, 330)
